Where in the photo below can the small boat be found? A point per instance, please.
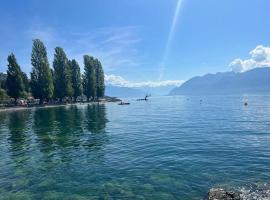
(145, 98)
(123, 103)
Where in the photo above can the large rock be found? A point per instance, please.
(221, 194)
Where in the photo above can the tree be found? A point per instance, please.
(25, 82)
(68, 81)
(76, 79)
(3, 80)
(89, 81)
(14, 82)
(100, 86)
(41, 78)
(3, 94)
(62, 74)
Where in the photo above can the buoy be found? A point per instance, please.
(246, 104)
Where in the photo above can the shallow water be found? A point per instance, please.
(166, 148)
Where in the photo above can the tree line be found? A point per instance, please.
(62, 81)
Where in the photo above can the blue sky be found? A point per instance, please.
(141, 41)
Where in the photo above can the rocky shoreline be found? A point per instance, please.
(221, 194)
(256, 191)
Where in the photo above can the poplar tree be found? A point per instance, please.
(14, 82)
(3, 80)
(89, 81)
(100, 86)
(25, 82)
(3, 94)
(62, 75)
(68, 81)
(76, 79)
(41, 78)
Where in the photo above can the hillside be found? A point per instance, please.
(251, 82)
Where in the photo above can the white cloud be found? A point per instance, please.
(239, 65)
(260, 57)
(260, 53)
(121, 82)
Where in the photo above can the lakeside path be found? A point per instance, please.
(18, 108)
(12, 109)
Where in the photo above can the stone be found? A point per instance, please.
(221, 194)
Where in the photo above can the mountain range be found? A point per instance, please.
(117, 91)
(122, 92)
(254, 81)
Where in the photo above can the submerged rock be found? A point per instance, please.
(255, 191)
(258, 191)
(221, 194)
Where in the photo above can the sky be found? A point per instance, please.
(142, 42)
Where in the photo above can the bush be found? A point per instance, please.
(3, 95)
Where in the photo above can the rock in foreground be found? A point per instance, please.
(258, 191)
(221, 194)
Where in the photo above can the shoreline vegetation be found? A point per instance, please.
(62, 83)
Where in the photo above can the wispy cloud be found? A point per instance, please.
(46, 36)
(259, 57)
(121, 82)
(116, 47)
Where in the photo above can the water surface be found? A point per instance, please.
(166, 148)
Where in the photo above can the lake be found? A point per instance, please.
(167, 148)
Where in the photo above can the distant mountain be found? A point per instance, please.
(157, 91)
(115, 91)
(118, 91)
(251, 82)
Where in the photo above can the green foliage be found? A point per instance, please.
(76, 78)
(64, 80)
(93, 79)
(89, 81)
(53, 79)
(3, 95)
(14, 82)
(100, 86)
(41, 77)
(3, 79)
(62, 74)
(25, 82)
(68, 81)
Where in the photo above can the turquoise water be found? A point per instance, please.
(166, 148)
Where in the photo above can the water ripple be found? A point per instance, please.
(166, 148)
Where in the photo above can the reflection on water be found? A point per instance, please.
(2, 118)
(166, 148)
(95, 123)
(38, 145)
(63, 127)
(95, 118)
(18, 123)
